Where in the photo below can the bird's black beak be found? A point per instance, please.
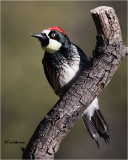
(42, 37)
(36, 35)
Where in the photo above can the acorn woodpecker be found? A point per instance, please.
(63, 62)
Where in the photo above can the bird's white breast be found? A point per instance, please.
(69, 71)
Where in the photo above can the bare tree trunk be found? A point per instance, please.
(61, 118)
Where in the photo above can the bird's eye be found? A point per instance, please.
(53, 35)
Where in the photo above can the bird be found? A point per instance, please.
(63, 62)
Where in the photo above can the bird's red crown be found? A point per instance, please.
(57, 29)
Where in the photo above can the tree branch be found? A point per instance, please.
(106, 59)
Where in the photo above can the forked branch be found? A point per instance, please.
(107, 56)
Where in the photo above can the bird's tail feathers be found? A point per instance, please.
(96, 126)
(101, 125)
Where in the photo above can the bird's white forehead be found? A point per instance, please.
(53, 45)
(46, 32)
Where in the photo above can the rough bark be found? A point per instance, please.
(61, 118)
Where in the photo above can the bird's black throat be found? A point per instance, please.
(57, 58)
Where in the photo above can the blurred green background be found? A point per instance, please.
(26, 94)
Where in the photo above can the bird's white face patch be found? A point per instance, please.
(53, 45)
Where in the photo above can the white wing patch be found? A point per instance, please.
(53, 45)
